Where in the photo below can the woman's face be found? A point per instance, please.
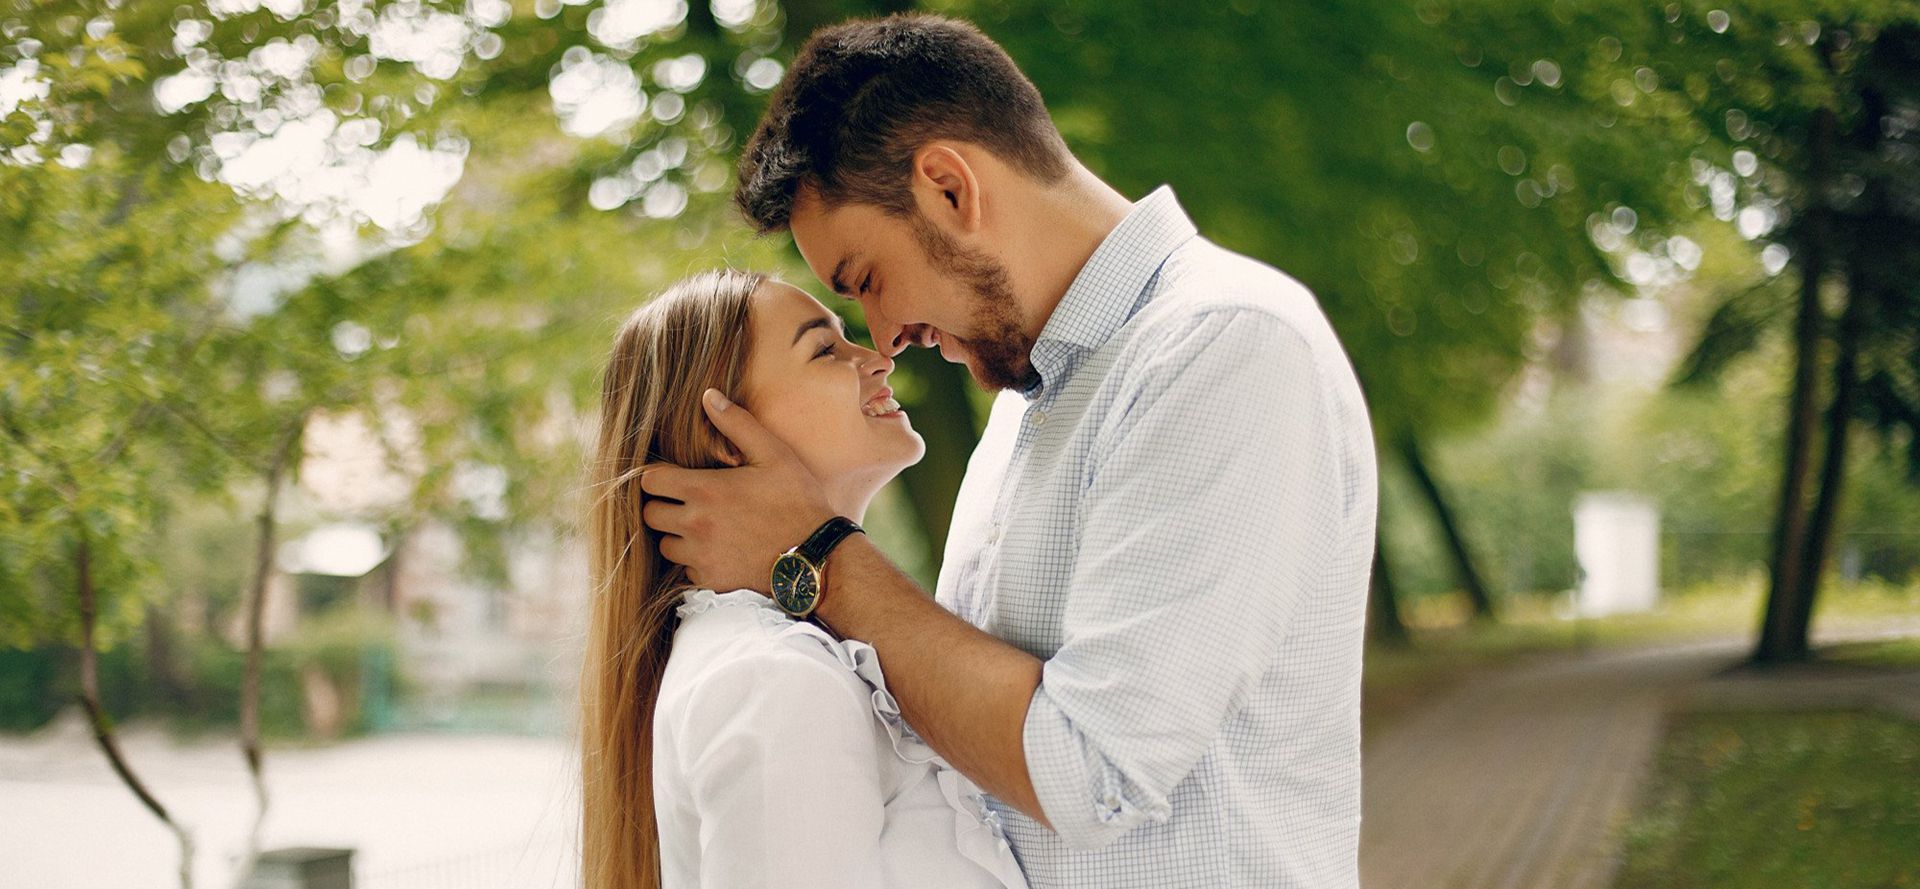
(827, 398)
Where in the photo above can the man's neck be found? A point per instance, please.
(1069, 222)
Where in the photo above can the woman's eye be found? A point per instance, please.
(825, 351)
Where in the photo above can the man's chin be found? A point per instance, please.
(966, 358)
(973, 373)
(952, 355)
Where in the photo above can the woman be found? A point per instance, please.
(723, 743)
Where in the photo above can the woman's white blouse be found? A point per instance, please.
(780, 759)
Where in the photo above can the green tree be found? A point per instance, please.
(1796, 122)
(222, 220)
(1435, 199)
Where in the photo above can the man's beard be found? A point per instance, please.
(1001, 350)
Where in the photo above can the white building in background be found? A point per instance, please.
(521, 640)
(1616, 539)
(515, 646)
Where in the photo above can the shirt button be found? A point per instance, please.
(1039, 418)
(1110, 801)
(993, 533)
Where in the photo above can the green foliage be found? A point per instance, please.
(36, 683)
(97, 333)
(1708, 456)
(1513, 486)
(177, 308)
(1780, 799)
(1796, 118)
(28, 683)
(1891, 653)
(1451, 179)
(1361, 149)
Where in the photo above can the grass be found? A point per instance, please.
(1820, 800)
(1899, 653)
(1449, 647)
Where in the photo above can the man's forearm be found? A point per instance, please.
(965, 692)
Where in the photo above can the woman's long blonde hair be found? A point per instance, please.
(692, 336)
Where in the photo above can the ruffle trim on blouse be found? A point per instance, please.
(978, 831)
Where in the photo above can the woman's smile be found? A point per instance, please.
(882, 405)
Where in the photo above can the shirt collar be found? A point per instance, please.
(1110, 287)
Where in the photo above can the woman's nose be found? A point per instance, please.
(877, 362)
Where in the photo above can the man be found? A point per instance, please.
(1147, 637)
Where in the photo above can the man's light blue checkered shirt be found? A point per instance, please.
(1179, 520)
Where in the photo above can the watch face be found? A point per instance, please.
(796, 585)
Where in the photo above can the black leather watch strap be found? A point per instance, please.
(826, 537)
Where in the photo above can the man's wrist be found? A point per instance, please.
(799, 578)
(829, 534)
(834, 600)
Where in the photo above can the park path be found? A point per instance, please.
(1522, 779)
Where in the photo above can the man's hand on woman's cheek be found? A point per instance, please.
(728, 525)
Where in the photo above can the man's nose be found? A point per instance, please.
(910, 335)
(890, 338)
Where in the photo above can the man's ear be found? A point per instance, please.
(946, 187)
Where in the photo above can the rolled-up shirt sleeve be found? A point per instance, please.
(1214, 492)
(784, 777)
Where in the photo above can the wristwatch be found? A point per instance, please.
(799, 574)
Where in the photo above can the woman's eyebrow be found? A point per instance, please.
(811, 323)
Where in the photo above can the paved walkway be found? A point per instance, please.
(1522, 780)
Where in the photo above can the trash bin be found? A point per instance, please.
(303, 867)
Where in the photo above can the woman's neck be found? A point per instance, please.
(852, 500)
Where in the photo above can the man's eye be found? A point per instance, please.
(865, 283)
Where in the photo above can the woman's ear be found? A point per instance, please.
(723, 448)
(714, 451)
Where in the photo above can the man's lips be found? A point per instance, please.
(948, 351)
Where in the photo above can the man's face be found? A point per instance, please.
(917, 286)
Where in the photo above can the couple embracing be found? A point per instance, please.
(1141, 664)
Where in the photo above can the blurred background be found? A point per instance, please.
(307, 301)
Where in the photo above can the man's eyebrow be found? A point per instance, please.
(835, 280)
(811, 323)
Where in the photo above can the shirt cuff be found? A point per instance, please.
(1087, 799)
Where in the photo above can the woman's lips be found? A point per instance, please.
(882, 404)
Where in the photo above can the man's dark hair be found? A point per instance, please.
(863, 96)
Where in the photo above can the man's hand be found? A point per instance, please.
(729, 525)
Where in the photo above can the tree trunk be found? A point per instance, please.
(1476, 590)
(102, 724)
(1384, 625)
(1797, 619)
(1790, 522)
(256, 609)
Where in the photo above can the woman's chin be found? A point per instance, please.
(900, 429)
(907, 451)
